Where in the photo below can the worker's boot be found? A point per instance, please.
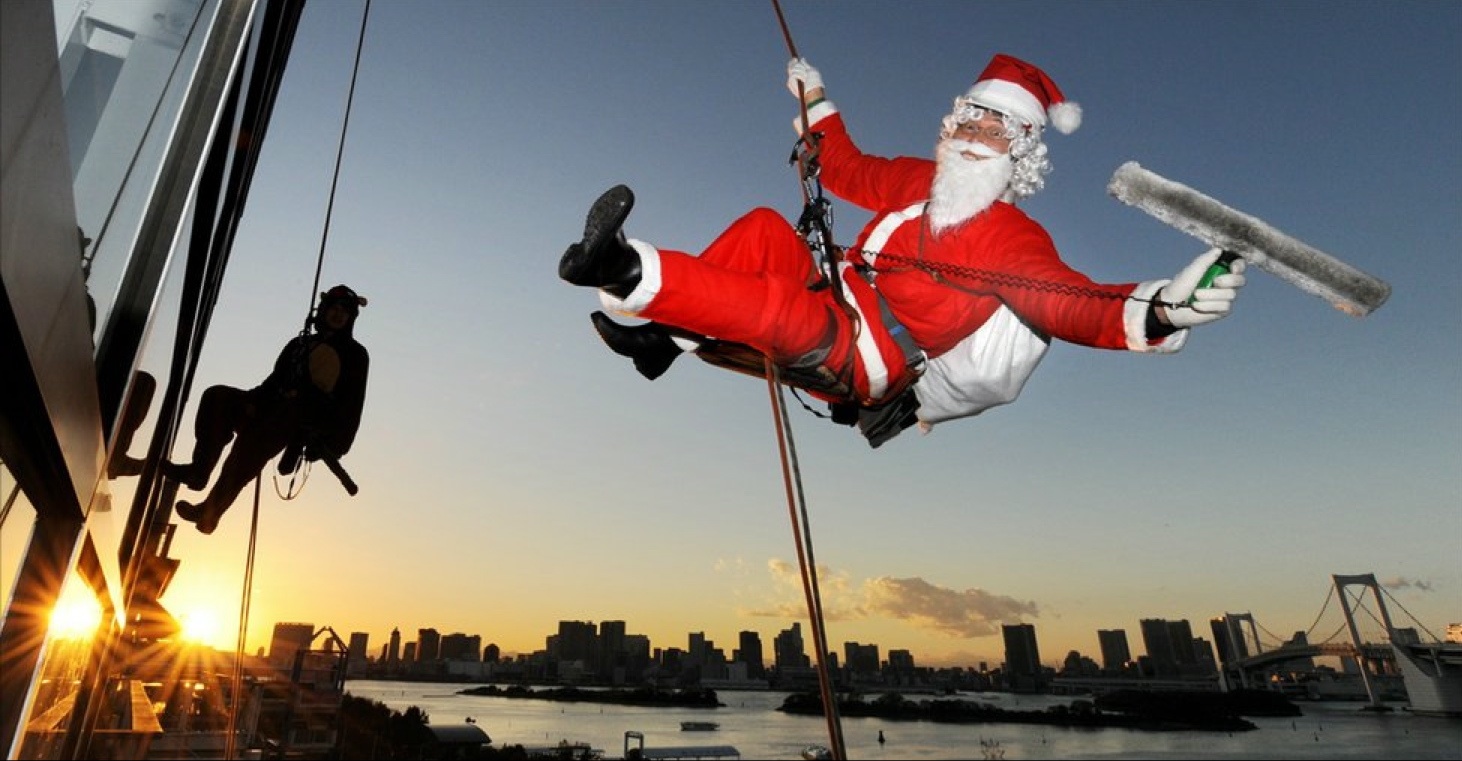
(649, 345)
(604, 259)
(203, 515)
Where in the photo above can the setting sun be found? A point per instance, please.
(76, 614)
(200, 625)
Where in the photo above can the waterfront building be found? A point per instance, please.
(461, 647)
(288, 639)
(750, 653)
(1115, 652)
(1023, 670)
(428, 646)
(788, 650)
(356, 660)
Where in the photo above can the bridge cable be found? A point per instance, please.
(1324, 607)
(1414, 620)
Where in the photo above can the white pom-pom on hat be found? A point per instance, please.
(1065, 116)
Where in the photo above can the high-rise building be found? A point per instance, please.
(1022, 657)
(1180, 633)
(393, 655)
(428, 645)
(901, 661)
(355, 662)
(461, 647)
(697, 649)
(613, 658)
(577, 641)
(1115, 651)
(861, 659)
(1157, 640)
(788, 649)
(288, 639)
(750, 653)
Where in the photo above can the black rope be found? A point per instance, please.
(301, 472)
(941, 271)
(335, 179)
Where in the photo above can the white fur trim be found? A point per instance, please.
(643, 293)
(867, 347)
(1134, 320)
(1065, 116)
(873, 244)
(815, 114)
(987, 368)
(1009, 98)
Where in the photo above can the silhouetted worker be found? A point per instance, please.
(880, 737)
(309, 407)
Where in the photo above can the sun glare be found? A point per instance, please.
(76, 615)
(200, 625)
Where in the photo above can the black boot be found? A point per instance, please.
(190, 475)
(649, 345)
(604, 259)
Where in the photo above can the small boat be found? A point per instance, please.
(699, 726)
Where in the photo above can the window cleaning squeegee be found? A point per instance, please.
(1311, 270)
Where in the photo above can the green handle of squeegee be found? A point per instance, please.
(1221, 266)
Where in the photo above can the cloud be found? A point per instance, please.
(1401, 582)
(953, 613)
(956, 613)
(791, 599)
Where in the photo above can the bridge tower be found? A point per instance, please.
(1229, 633)
(1367, 580)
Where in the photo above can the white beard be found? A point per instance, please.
(964, 187)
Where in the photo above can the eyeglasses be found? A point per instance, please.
(982, 128)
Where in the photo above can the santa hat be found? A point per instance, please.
(1014, 87)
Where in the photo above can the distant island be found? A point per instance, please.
(642, 696)
(1127, 709)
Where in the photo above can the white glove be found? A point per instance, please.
(799, 70)
(1210, 303)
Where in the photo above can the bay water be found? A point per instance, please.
(750, 722)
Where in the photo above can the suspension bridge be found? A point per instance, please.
(1430, 668)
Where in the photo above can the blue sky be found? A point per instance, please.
(515, 473)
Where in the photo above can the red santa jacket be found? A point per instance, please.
(983, 336)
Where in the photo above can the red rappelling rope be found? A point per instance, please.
(801, 528)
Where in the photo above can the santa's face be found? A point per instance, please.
(970, 175)
(990, 128)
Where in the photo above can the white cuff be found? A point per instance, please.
(1134, 321)
(822, 110)
(648, 288)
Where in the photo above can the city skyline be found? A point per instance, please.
(1162, 636)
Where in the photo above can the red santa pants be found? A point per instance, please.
(751, 286)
